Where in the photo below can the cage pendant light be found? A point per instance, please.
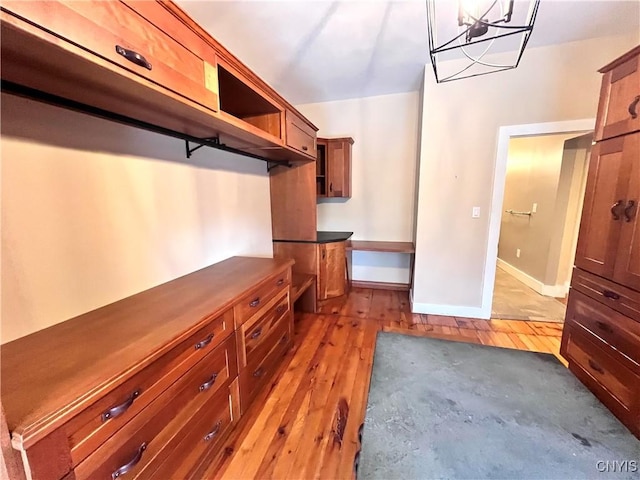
(468, 38)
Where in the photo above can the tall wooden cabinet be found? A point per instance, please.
(601, 338)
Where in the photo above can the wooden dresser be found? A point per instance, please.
(148, 386)
(601, 338)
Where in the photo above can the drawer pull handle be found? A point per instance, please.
(280, 282)
(134, 461)
(280, 309)
(604, 326)
(614, 210)
(632, 107)
(205, 342)
(209, 383)
(628, 211)
(596, 367)
(610, 294)
(118, 410)
(134, 57)
(255, 302)
(305, 148)
(256, 333)
(214, 432)
(259, 372)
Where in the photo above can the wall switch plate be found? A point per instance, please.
(518, 252)
(534, 209)
(475, 213)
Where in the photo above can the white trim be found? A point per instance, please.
(499, 176)
(449, 310)
(558, 291)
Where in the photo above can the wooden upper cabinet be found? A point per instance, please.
(333, 167)
(117, 33)
(148, 64)
(627, 265)
(619, 108)
(602, 212)
(301, 135)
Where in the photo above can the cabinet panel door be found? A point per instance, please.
(619, 109)
(331, 278)
(337, 156)
(627, 267)
(602, 214)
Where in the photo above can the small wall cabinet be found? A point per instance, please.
(333, 167)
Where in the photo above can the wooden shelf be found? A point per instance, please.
(374, 246)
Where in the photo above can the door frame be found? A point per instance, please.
(497, 196)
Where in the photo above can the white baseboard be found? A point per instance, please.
(450, 310)
(557, 291)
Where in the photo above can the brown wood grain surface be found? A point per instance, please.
(376, 246)
(51, 375)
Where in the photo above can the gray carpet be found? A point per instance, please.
(440, 409)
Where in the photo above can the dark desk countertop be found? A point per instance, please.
(321, 237)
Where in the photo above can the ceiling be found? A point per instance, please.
(316, 51)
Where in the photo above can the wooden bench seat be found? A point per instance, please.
(303, 288)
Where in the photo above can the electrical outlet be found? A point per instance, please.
(518, 252)
(534, 209)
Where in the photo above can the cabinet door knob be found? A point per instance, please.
(632, 107)
(628, 211)
(135, 57)
(614, 210)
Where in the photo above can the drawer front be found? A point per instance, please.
(622, 333)
(135, 446)
(268, 357)
(101, 27)
(87, 430)
(619, 109)
(594, 358)
(254, 333)
(300, 136)
(255, 303)
(182, 454)
(622, 299)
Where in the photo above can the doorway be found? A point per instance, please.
(543, 194)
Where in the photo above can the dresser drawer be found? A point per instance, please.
(267, 358)
(139, 441)
(204, 432)
(87, 430)
(112, 30)
(622, 299)
(254, 333)
(619, 108)
(620, 332)
(594, 359)
(300, 135)
(255, 303)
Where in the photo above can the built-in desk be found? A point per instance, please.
(376, 246)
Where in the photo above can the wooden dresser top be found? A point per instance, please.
(60, 369)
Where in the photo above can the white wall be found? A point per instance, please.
(93, 211)
(385, 131)
(460, 122)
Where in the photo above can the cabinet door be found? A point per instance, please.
(619, 109)
(339, 168)
(627, 267)
(331, 270)
(604, 204)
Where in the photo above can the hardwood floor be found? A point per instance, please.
(306, 425)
